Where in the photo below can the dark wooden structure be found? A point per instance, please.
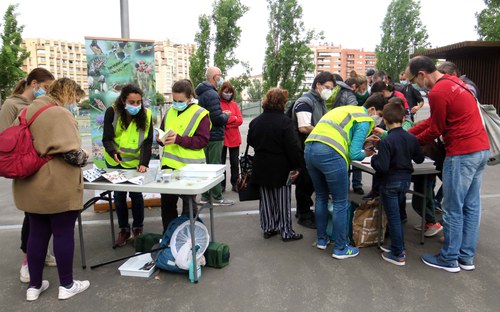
(478, 60)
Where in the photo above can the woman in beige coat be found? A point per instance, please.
(53, 196)
(25, 91)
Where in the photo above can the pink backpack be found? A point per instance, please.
(18, 157)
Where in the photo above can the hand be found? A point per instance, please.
(117, 156)
(369, 152)
(372, 139)
(414, 109)
(294, 174)
(142, 168)
(227, 112)
(378, 130)
(170, 139)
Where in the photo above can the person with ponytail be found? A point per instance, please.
(25, 91)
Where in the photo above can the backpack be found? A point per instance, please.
(18, 157)
(289, 111)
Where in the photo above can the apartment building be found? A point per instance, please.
(68, 59)
(337, 60)
(171, 64)
(61, 58)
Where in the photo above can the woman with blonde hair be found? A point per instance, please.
(53, 196)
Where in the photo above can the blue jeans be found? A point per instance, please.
(393, 195)
(462, 175)
(120, 199)
(356, 178)
(329, 174)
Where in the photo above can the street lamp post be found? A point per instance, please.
(124, 19)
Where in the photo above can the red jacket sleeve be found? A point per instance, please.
(437, 120)
(236, 119)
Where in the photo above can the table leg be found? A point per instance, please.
(212, 229)
(193, 241)
(111, 221)
(423, 211)
(82, 247)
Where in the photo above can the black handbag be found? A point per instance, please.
(246, 189)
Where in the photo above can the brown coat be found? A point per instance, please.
(11, 109)
(57, 186)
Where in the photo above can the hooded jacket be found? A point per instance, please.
(345, 96)
(11, 108)
(208, 98)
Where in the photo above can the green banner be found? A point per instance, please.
(111, 64)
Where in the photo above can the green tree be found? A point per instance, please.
(159, 98)
(12, 55)
(288, 57)
(225, 16)
(402, 32)
(240, 83)
(488, 21)
(199, 58)
(255, 90)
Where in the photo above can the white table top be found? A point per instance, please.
(184, 186)
(418, 169)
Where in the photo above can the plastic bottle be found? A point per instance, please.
(191, 269)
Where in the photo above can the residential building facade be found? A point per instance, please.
(68, 59)
(338, 60)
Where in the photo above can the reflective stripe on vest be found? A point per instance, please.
(335, 126)
(131, 154)
(174, 155)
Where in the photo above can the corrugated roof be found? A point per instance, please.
(461, 48)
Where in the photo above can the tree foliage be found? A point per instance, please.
(255, 90)
(240, 83)
(402, 31)
(288, 57)
(199, 58)
(488, 21)
(159, 98)
(225, 16)
(12, 55)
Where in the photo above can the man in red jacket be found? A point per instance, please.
(455, 116)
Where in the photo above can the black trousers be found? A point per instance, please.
(25, 232)
(169, 207)
(234, 152)
(304, 189)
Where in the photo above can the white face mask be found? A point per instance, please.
(377, 119)
(326, 94)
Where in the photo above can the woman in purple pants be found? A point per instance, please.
(53, 196)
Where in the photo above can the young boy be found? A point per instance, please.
(393, 165)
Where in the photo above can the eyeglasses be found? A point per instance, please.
(413, 77)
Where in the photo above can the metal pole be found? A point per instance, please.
(124, 19)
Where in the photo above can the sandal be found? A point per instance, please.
(294, 237)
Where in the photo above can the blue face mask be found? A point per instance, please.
(416, 86)
(403, 82)
(39, 92)
(219, 83)
(179, 106)
(133, 110)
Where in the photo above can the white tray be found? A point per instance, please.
(131, 266)
(202, 170)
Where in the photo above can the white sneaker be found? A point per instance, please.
(24, 275)
(50, 260)
(78, 287)
(33, 293)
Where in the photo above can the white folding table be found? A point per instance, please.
(417, 170)
(182, 186)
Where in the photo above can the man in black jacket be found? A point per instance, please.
(208, 98)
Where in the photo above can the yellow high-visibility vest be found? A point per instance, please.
(185, 124)
(334, 127)
(129, 141)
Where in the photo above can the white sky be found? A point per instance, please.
(447, 21)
